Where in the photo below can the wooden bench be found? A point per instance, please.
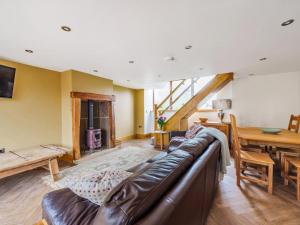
(14, 162)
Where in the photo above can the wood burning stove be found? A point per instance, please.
(93, 136)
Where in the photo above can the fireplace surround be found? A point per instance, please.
(103, 120)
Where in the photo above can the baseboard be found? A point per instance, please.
(133, 136)
(126, 138)
(142, 136)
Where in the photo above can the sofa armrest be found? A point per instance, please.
(177, 134)
(64, 207)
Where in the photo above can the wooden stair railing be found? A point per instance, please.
(157, 107)
(178, 121)
(171, 94)
(179, 96)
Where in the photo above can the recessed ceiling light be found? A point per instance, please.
(251, 74)
(131, 61)
(170, 59)
(263, 59)
(128, 80)
(96, 71)
(201, 68)
(65, 28)
(288, 22)
(188, 47)
(158, 75)
(28, 51)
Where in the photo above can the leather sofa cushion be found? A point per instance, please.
(64, 207)
(197, 145)
(129, 201)
(175, 142)
(191, 133)
(157, 157)
(139, 167)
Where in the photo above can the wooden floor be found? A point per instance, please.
(21, 195)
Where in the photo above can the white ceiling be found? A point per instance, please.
(226, 35)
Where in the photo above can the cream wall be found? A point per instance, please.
(124, 111)
(268, 100)
(262, 100)
(33, 116)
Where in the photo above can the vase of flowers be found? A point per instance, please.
(161, 122)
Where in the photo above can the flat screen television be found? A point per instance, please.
(7, 79)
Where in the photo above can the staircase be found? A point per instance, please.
(178, 120)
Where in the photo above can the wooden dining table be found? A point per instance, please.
(284, 139)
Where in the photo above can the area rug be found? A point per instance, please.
(121, 159)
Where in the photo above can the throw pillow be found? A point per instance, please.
(95, 187)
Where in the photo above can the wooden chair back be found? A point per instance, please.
(236, 143)
(294, 123)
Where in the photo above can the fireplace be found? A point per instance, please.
(94, 125)
(93, 135)
(93, 122)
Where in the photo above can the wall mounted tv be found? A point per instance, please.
(7, 79)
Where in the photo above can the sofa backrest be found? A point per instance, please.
(189, 201)
(130, 200)
(197, 145)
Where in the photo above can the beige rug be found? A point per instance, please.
(122, 159)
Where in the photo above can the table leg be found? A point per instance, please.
(270, 179)
(54, 170)
(161, 141)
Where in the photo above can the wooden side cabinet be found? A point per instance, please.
(224, 127)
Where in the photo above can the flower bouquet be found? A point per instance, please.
(161, 122)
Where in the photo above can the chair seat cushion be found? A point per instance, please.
(257, 158)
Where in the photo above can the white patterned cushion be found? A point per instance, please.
(95, 187)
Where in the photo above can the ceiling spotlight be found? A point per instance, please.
(188, 47)
(288, 22)
(131, 61)
(29, 51)
(170, 59)
(263, 59)
(65, 28)
(95, 71)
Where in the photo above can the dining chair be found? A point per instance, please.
(259, 166)
(293, 177)
(294, 125)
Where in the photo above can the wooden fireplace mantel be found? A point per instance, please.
(92, 96)
(77, 97)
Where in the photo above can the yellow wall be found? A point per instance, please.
(33, 116)
(139, 111)
(66, 108)
(84, 82)
(41, 109)
(124, 111)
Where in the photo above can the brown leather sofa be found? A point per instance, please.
(176, 188)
